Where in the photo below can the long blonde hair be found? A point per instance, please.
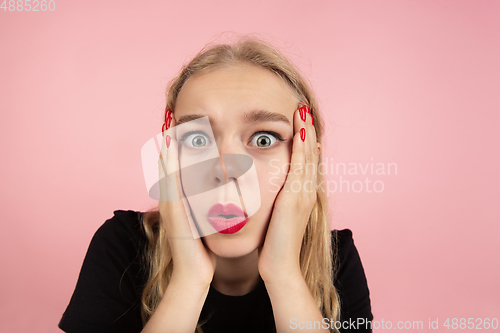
(316, 255)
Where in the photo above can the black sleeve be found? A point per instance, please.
(351, 285)
(106, 295)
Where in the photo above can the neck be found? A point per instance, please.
(236, 276)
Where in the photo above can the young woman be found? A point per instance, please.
(263, 264)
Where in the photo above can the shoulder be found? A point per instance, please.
(117, 243)
(343, 245)
(124, 226)
(107, 294)
(342, 238)
(347, 259)
(350, 279)
(123, 222)
(119, 240)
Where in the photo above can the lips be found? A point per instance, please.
(227, 219)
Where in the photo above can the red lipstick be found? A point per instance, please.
(227, 219)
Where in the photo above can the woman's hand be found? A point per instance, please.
(279, 257)
(193, 263)
(279, 263)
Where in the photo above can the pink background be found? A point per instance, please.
(408, 82)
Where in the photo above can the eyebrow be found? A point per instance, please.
(249, 117)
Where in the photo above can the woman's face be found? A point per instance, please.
(250, 112)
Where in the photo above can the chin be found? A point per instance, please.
(225, 251)
(234, 245)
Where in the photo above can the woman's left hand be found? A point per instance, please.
(279, 256)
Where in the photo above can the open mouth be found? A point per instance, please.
(227, 219)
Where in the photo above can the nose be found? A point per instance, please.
(209, 174)
(229, 167)
(232, 162)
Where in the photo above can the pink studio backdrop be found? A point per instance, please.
(414, 83)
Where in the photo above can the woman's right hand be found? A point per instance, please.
(193, 262)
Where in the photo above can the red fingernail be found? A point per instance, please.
(303, 134)
(167, 114)
(168, 140)
(309, 111)
(302, 114)
(169, 119)
(163, 129)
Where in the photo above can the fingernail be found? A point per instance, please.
(169, 119)
(302, 113)
(168, 140)
(309, 111)
(303, 134)
(167, 115)
(163, 129)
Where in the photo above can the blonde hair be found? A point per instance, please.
(317, 254)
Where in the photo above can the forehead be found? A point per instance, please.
(236, 88)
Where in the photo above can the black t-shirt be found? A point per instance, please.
(113, 275)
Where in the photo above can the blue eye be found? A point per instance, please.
(265, 139)
(196, 139)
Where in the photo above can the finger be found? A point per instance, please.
(298, 148)
(170, 189)
(302, 176)
(174, 203)
(311, 151)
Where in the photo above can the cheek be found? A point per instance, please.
(272, 174)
